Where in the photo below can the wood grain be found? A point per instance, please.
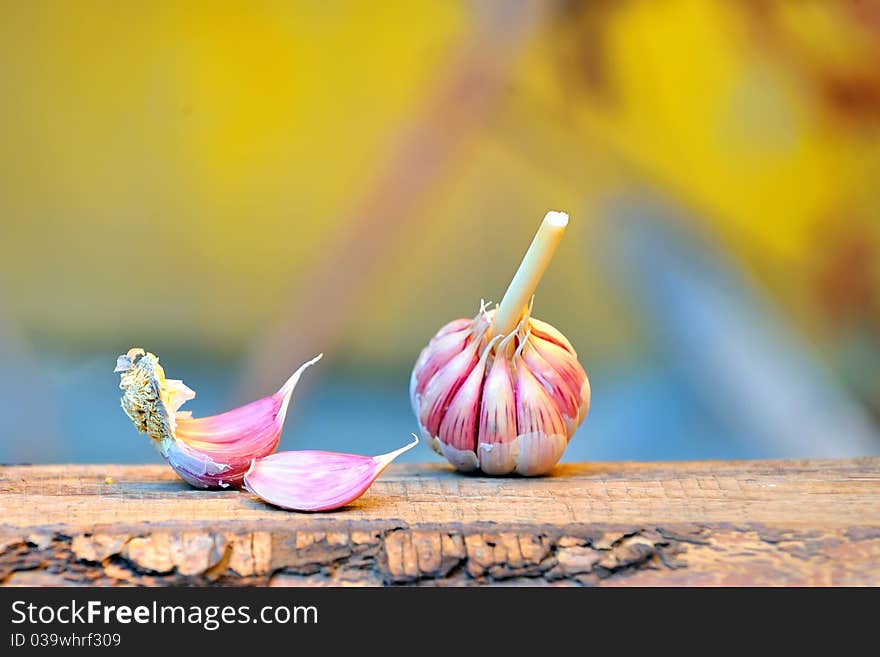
(698, 523)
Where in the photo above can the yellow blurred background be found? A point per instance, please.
(237, 186)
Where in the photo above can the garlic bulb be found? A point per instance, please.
(503, 392)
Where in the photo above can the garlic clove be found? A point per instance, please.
(568, 370)
(311, 480)
(541, 429)
(497, 432)
(433, 357)
(455, 326)
(585, 402)
(449, 341)
(457, 434)
(464, 460)
(545, 331)
(232, 439)
(537, 453)
(567, 399)
(209, 452)
(443, 385)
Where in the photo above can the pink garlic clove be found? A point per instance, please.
(545, 331)
(541, 430)
(442, 387)
(455, 326)
(433, 358)
(449, 341)
(457, 434)
(498, 431)
(537, 453)
(566, 397)
(312, 480)
(208, 452)
(569, 370)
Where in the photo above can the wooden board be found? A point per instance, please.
(697, 523)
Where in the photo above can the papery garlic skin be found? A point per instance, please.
(209, 452)
(501, 405)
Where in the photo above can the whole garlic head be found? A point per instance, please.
(503, 403)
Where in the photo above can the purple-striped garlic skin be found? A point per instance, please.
(500, 404)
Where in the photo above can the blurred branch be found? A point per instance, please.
(723, 333)
(472, 84)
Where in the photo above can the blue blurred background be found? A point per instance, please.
(239, 186)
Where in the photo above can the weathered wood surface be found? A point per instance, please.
(707, 523)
